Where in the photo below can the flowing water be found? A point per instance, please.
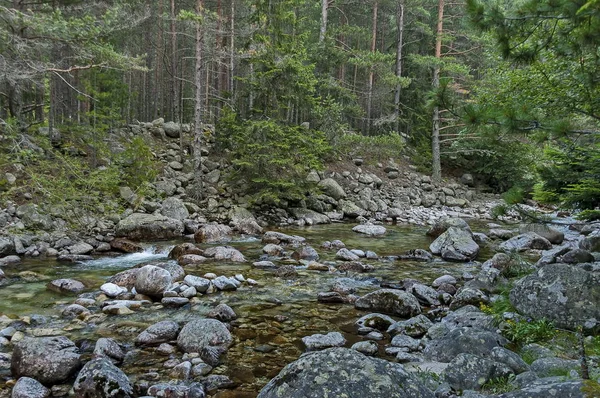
(272, 316)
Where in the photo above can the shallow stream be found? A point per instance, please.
(272, 316)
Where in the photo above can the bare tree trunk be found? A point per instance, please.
(436, 167)
(198, 108)
(367, 124)
(174, 61)
(399, 45)
(232, 49)
(324, 11)
(156, 91)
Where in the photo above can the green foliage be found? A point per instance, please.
(137, 164)
(514, 195)
(529, 331)
(374, 148)
(273, 159)
(571, 176)
(499, 385)
(589, 215)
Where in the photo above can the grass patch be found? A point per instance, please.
(499, 385)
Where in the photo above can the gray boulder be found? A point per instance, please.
(468, 296)
(27, 387)
(223, 313)
(350, 209)
(346, 255)
(310, 217)
(564, 294)
(522, 242)
(551, 366)
(172, 129)
(322, 341)
(442, 226)
(553, 235)
(591, 242)
(7, 246)
(576, 256)
(99, 378)
(160, 332)
(374, 321)
(279, 238)
(225, 253)
(153, 281)
(390, 301)
(106, 347)
(366, 347)
(191, 390)
(463, 341)
(208, 337)
(341, 372)
(174, 208)
(471, 372)
(211, 233)
(330, 187)
(455, 244)
(32, 218)
(307, 253)
(414, 327)
(149, 227)
(200, 284)
(548, 388)
(370, 229)
(66, 286)
(50, 360)
(244, 221)
(510, 359)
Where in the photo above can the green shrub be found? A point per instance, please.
(499, 385)
(529, 331)
(589, 215)
(377, 148)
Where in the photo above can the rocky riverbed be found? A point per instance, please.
(383, 310)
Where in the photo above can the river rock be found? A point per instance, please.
(74, 311)
(416, 255)
(322, 341)
(212, 233)
(471, 372)
(307, 253)
(350, 209)
(80, 248)
(553, 235)
(390, 301)
(66, 286)
(426, 295)
(370, 229)
(125, 278)
(455, 244)
(112, 290)
(225, 284)
(310, 217)
(208, 337)
(185, 249)
(193, 390)
(200, 284)
(160, 332)
(125, 246)
(273, 250)
(463, 340)
(448, 279)
(7, 246)
(225, 253)
(223, 313)
(153, 281)
(468, 295)
(544, 367)
(341, 372)
(510, 359)
(149, 227)
(9, 260)
(522, 242)
(442, 226)
(99, 378)
(279, 238)
(174, 208)
(591, 242)
(330, 187)
(27, 387)
(562, 293)
(244, 221)
(32, 218)
(374, 321)
(576, 256)
(106, 347)
(366, 347)
(414, 327)
(406, 342)
(548, 387)
(50, 360)
(346, 255)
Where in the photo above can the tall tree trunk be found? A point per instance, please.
(232, 49)
(198, 107)
(399, 45)
(174, 61)
(324, 11)
(367, 124)
(156, 91)
(436, 167)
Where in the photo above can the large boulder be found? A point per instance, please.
(550, 387)
(7, 246)
(149, 227)
(26, 387)
(390, 301)
(99, 378)
(161, 332)
(174, 208)
(442, 226)
(463, 340)
(208, 337)
(562, 293)
(153, 281)
(50, 360)
(225, 253)
(310, 217)
(455, 244)
(330, 187)
(66, 286)
(553, 235)
(341, 372)
(32, 218)
(370, 229)
(591, 242)
(244, 221)
(522, 242)
(125, 246)
(471, 372)
(321, 341)
(211, 233)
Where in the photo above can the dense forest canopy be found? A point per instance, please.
(467, 85)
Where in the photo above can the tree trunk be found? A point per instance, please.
(232, 49)
(367, 124)
(399, 45)
(174, 61)
(436, 167)
(156, 85)
(324, 11)
(198, 108)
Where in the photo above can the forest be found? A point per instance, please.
(507, 90)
